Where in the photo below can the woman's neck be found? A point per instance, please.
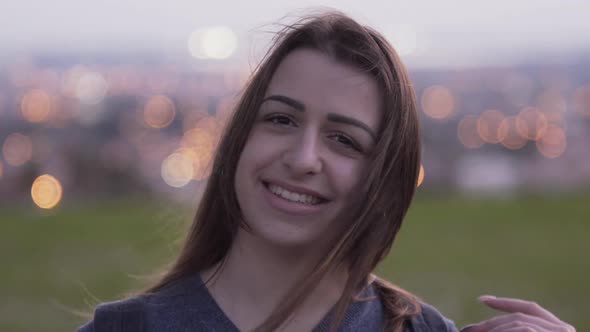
(256, 276)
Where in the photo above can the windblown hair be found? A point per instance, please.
(375, 216)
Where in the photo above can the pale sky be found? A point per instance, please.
(435, 31)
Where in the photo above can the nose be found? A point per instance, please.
(302, 156)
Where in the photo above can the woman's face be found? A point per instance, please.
(307, 149)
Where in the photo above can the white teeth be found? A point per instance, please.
(294, 197)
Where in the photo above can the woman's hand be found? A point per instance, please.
(522, 316)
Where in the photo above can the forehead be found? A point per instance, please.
(325, 85)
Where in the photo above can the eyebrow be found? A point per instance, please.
(346, 120)
(299, 106)
(287, 100)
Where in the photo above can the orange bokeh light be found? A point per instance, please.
(531, 123)
(17, 149)
(553, 142)
(201, 162)
(159, 111)
(489, 126)
(438, 102)
(513, 140)
(36, 106)
(191, 118)
(420, 176)
(46, 191)
(199, 138)
(209, 124)
(467, 132)
(202, 143)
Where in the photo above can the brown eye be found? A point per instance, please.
(346, 142)
(281, 120)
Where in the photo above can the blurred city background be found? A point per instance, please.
(110, 114)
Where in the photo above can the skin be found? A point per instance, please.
(313, 133)
(304, 138)
(521, 316)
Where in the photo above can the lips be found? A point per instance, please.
(295, 194)
(292, 205)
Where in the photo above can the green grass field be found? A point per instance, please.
(450, 251)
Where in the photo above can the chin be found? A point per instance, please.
(281, 234)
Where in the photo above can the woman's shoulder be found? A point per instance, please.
(132, 313)
(170, 294)
(430, 320)
(121, 315)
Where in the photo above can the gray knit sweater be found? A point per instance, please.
(187, 305)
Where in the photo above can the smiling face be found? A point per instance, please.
(307, 149)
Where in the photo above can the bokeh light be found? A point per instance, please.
(489, 126)
(420, 176)
(177, 169)
(201, 142)
(199, 138)
(17, 149)
(70, 80)
(438, 102)
(213, 43)
(201, 162)
(91, 88)
(513, 140)
(191, 118)
(159, 111)
(46, 191)
(467, 132)
(36, 105)
(553, 143)
(582, 100)
(211, 125)
(531, 123)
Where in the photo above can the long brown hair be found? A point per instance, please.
(376, 215)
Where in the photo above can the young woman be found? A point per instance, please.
(311, 183)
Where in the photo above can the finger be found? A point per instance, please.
(522, 329)
(517, 305)
(520, 326)
(515, 319)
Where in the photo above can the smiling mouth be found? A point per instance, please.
(294, 197)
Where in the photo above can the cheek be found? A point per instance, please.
(256, 153)
(345, 174)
